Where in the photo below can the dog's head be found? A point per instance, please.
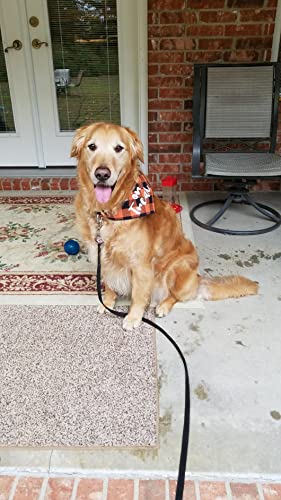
(107, 154)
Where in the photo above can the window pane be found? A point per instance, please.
(85, 55)
(6, 112)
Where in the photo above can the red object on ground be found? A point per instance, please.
(177, 208)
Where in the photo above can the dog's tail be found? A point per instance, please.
(217, 288)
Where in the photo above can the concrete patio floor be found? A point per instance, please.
(233, 352)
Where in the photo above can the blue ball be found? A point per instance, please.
(71, 247)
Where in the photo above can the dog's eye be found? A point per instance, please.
(118, 148)
(92, 147)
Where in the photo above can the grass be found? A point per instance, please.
(95, 99)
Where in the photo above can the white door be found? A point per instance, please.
(18, 145)
(64, 74)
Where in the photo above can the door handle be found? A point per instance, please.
(17, 45)
(37, 44)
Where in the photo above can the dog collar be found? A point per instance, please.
(139, 204)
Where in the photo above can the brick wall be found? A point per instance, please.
(180, 33)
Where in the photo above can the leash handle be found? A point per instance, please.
(186, 422)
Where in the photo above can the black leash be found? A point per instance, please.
(186, 424)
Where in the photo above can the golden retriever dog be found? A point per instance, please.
(145, 254)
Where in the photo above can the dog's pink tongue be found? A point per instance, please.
(103, 193)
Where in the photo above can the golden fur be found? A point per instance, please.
(148, 258)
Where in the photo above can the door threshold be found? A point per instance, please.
(15, 172)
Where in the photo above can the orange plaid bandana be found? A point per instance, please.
(140, 203)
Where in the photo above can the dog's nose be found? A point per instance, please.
(102, 173)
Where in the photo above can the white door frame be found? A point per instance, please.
(132, 25)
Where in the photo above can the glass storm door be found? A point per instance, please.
(59, 70)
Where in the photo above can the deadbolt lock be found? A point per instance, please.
(33, 21)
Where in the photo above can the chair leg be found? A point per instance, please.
(221, 211)
(268, 212)
(239, 198)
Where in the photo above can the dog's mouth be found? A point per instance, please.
(103, 192)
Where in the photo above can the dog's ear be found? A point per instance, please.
(136, 145)
(78, 141)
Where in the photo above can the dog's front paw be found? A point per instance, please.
(131, 322)
(162, 310)
(101, 309)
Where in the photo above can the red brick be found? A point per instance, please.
(162, 57)
(189, 490)
(29, 488)
(205, 30)
(165, 148)
(220, 43)
(152, 116)
(165, 104)
(217, 16)
(45, 184)
(55, 183)
(35, 183)
(164, 168)
(152, 138)
(268, 29)
(176, 69)
(179, 93)
(176, 137)
(153, 18)
(206, 4)
(153, 44)
(165, 127)
(242, 491)
(73, 184)
(25, 184)
(64, 184)
(152, 158)
(166, 30)
(165, 81)
(241, 56)
(153, 69)
(151, 490)
(243, 29)
(182, 43)
(6, 184)
(89, 488)
(175, 116)
(153, 93)
(174, 158)
(16, 184)
(59, 489)
(254, 43)
(179, 17)
(153, 178)
(166, 4)
(263, 15)
(199, 56)
(245, 5)
(212, 490)
(5, 486)
(272, 491)
(120, 489)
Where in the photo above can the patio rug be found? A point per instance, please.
(33, 230)
(70, 377)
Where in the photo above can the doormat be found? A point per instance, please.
(33, 230)
(70, 377)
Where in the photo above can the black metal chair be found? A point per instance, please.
(235, 119)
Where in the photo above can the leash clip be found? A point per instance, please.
(99, 239)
